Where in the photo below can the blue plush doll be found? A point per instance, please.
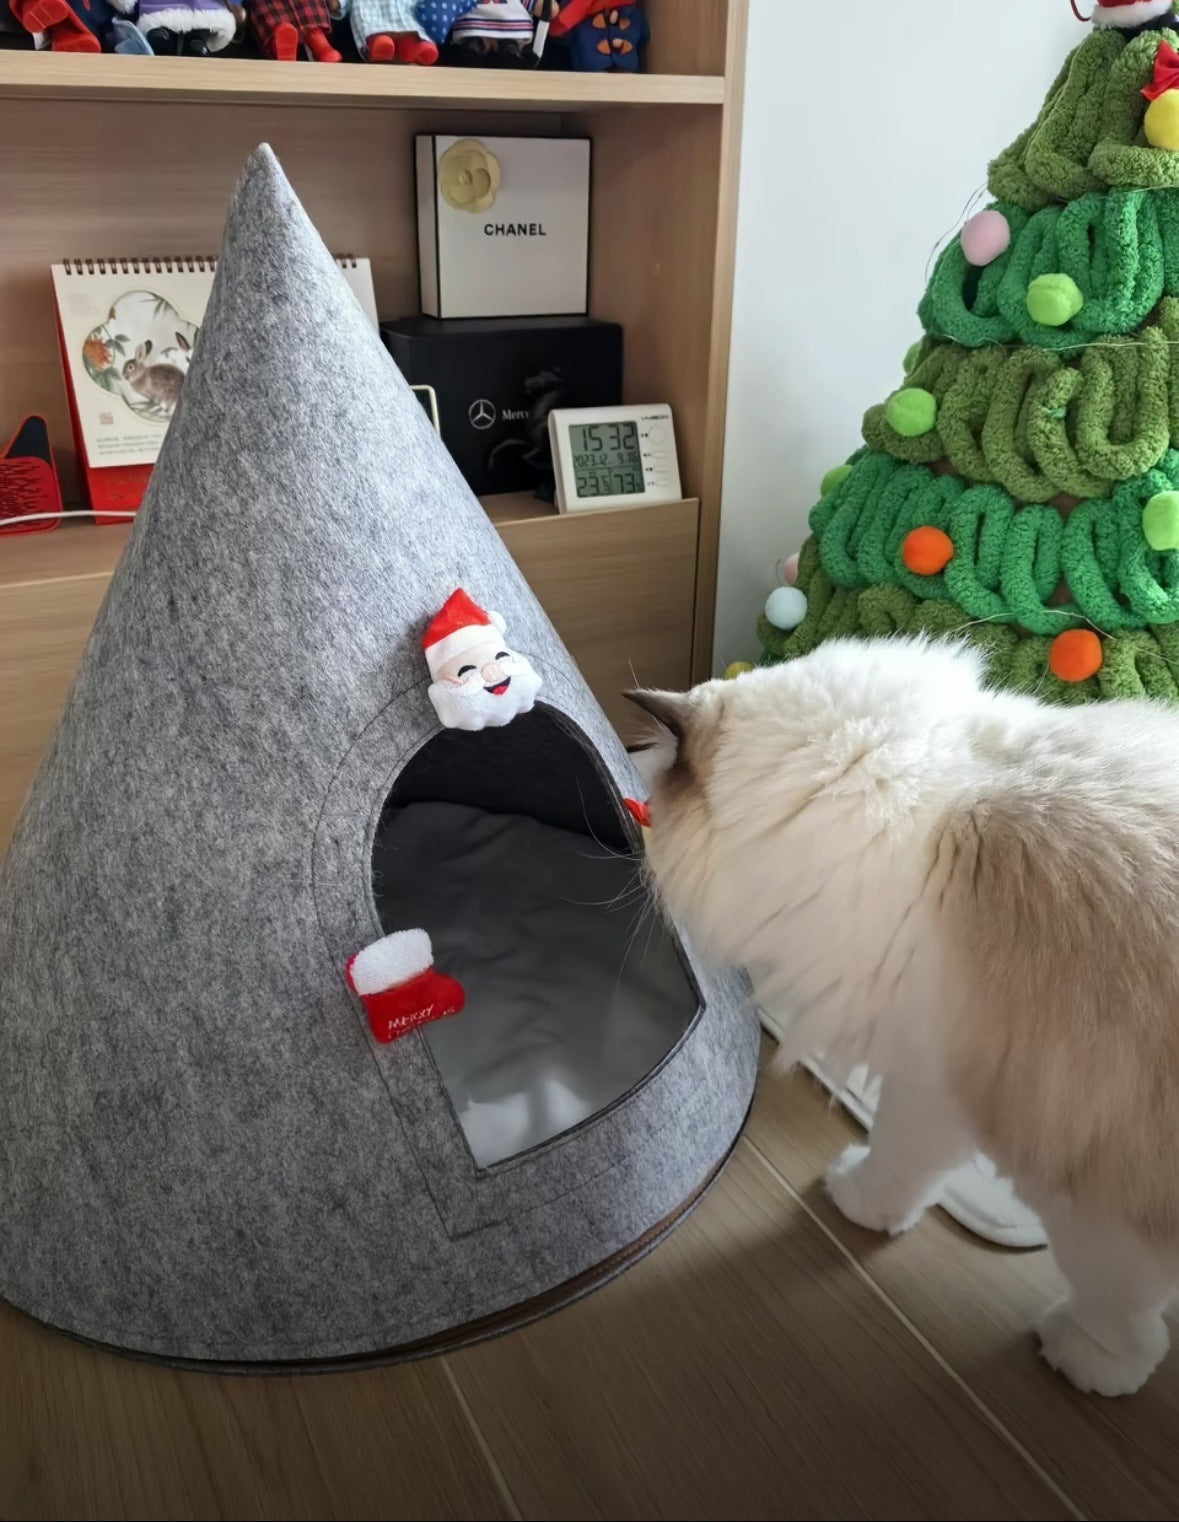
(436, 17)
(602, 34)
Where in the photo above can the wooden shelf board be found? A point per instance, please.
(80, 548)
(77, 549)
(517, 507)
(111, 76)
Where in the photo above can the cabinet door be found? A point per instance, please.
(619, 586)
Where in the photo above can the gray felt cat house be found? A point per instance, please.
(205, 1155)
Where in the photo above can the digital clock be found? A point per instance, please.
(613, 457)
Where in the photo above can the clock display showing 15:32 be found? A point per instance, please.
(606, 459)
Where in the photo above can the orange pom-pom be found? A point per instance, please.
(926, 551)
(1075, 655)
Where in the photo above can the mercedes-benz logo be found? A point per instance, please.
(481, 413)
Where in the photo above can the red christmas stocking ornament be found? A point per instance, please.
(394, 979)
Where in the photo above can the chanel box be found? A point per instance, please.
(497, 380)
(503, 225)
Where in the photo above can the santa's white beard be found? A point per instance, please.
(469, 705)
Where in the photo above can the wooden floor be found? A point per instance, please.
(768, 1360)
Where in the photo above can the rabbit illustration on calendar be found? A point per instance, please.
(141, 353)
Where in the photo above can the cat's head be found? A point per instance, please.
(747, 777)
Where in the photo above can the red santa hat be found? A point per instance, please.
(1129, 13)
(459, 625)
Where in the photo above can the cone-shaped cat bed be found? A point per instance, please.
(205, 1153)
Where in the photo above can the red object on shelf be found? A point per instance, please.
(28, 479)
(112, 491)
(57, 21)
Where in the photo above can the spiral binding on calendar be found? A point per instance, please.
(182, 264)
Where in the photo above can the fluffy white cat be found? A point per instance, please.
(977, 895)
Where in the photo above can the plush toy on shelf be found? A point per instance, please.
(194, 28)
(282, 27)
(477, 681)
(125, 37)
(602, 34)
(493, 33)
(387, 31)
(78, 26)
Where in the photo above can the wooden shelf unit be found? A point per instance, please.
(251, 81)
(124, 157)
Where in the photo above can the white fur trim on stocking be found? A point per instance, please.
(392, 960)
(1134, 14)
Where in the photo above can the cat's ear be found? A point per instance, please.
(672, 710)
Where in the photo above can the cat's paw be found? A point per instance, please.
(865, 1200)
(1093, 1368)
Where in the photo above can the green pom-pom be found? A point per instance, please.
(911, 412)
(912, 353)
(1054, 300)
(1160, 521)
(834, 477)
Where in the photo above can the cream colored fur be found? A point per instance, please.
(978, 896)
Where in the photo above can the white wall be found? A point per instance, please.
(867, 128)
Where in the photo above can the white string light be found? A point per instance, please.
(68, 512)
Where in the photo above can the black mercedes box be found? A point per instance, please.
(498, 378)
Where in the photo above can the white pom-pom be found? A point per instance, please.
(786, 607)
(498, 620)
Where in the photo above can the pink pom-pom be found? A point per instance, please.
(788, 570)
(985, 237)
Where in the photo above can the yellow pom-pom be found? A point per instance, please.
(1075, 655)
(736, 668)
(1161, 122)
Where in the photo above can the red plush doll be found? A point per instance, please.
(75, 27)
(602, 35)
(281, 27)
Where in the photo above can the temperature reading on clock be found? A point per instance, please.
(606, 459)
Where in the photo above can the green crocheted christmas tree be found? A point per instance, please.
(1021, 487)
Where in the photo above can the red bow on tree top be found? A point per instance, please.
(1166, 72)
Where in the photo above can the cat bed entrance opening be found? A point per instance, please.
(509, 848)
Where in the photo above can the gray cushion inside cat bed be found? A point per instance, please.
(576, 989)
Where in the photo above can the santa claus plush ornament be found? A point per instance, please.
(477, 680)
(394, 979)
(1133, 16)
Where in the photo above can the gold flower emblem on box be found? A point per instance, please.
(469, 176)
